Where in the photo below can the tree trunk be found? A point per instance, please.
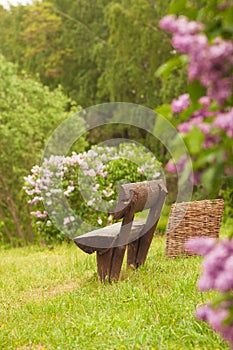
(12, 209)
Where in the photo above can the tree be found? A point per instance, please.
(134, 51)
(29, 113)
(43, 51)
(10, 28)
(99, 51)
(84, 32)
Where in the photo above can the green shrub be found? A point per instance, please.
(90, 182)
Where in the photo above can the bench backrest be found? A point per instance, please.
(144, 194)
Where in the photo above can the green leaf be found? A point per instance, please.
(212, 179)
(167, 68)
(194, 140)
(227, 16)
(177, 6)
(165, 110)
(196, 90)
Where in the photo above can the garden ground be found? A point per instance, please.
(51, 299)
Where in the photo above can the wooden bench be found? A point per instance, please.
(110, 242)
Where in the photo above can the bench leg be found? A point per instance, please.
(138, 250)
(145, 240)
(117, 260)
(132, 251)
(143, 248)
(104, 262)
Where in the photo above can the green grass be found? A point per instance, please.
(53, 300)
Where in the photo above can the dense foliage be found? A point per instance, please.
(29, 112)
(90, 181)
(205, 40)
(99, 51)
(208, 106)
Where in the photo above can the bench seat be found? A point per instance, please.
(104, 238)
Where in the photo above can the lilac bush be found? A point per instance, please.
(205, 58)
(206, 109)
(204, 117)
(89, 185)
(217, 274)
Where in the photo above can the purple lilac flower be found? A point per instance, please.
(217, 265)
(200, 245)
(171, 168)
(180, 104)
(205, 101)
(224, 121)
(180, 25)
(185, 127)
(216, 317)
(196, 178)
(210, 141)
(205, 60)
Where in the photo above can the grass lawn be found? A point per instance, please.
(51, 299)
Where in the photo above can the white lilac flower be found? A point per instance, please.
(92, 173)
(68, 220)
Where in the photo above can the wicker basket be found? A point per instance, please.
(192, 219)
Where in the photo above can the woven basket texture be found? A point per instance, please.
(192, 219)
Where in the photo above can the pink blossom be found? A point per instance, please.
(38, 214)
(205, 101)
(168, 23)
(196, 178)
(205, 59)
(216, 316)
(205, 128)
(35, 200)
(180, 104)
(30, 180)
(180, 25)
(171, 168)
(210, 141)
(200, 245)
(224, 121)
(185, 127)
